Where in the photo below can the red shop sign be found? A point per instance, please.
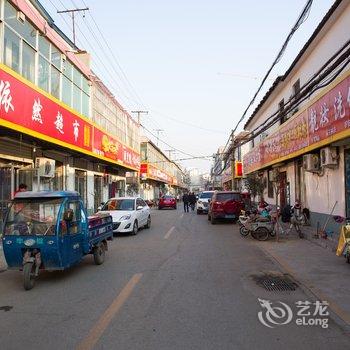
(25, 107)
(109, 147)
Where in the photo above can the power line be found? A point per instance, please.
(165, 143)
(301, 19)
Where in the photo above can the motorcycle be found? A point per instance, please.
(259, 226)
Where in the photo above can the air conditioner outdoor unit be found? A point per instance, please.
(45, 167)
(311, 162)
(329, 157)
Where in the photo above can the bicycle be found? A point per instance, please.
(295, 222)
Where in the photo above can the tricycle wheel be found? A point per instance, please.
(99, 254)
(28, 276)
(243, 231)
(261, 234)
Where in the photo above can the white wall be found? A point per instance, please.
(333, 39)
(323, 191)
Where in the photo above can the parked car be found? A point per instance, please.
(128, 213)
(203, 201)
(167, 202)
(225, 205)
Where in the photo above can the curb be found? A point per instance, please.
(337, 310)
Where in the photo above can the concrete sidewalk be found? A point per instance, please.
(316, 267)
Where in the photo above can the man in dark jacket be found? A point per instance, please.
(185, 199)
(192, 199)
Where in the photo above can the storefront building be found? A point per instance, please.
(158, 174)
(50, 136)
(300, 131)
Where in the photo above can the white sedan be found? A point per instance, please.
(128, 213)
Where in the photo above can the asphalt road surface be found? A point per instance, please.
(183, 284)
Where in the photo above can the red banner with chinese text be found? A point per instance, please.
(27, 110)
(109, 147)
(324, 120)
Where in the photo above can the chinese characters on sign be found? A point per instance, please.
(5, 96)
(36, 115)
(35, 112)
(325, 118)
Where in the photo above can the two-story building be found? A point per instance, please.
(158, 174)
(56, 131)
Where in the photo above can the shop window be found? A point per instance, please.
(80, 184)
(58, 179)
(55, 82)
(44, 74)
(66, 91)
(11, 49)
(28, 62)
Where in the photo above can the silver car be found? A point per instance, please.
(203, 201)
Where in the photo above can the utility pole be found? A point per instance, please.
(158, 132)
(72, 12)
(139, 115)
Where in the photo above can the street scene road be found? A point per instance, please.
(183, 284)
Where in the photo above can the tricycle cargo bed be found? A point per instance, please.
(100, 228)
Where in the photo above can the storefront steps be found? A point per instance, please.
(317, 270)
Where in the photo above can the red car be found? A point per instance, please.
(167, 202)
(225, 205)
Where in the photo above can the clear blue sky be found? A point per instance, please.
(189, 60)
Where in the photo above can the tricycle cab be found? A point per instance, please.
(51, 223)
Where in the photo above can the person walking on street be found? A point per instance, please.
(185, 199)
(192, 200)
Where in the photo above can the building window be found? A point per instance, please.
(66, 91)
(44, 74)
(55, 82)
(76, 98)
(11, 49)
(56, 57)
(44, 47)
(281, 112)
(269, 185)
(296, 89)
(28, 65)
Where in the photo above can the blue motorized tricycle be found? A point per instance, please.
(51, 231)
